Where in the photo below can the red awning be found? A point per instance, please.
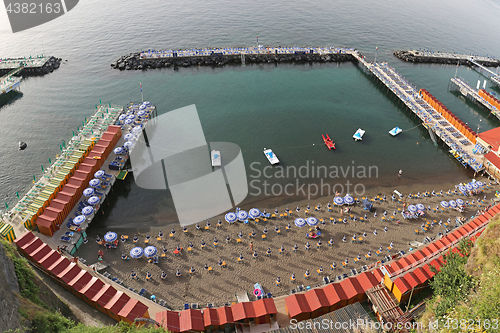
(50, 259)
(242, 311)
(402, 285)
(296, 305)
(411, 279)
(80, 280)
(367, 280)
(92, 288)
(41, 252)
(316, 299)
(103, 296)
(59, 266)
(117, 302)
(335, 293)
(421, 274)
(351, 287)
(265, 306)
(378, 274)
(396, 266)
(192, 320)
(210, 317)
(427, 251)
(25, 239)
(169, 320)
(135, 309)
(225, 315)
(70, 273)
(406, 262)
(33, 246)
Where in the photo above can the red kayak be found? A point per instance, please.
(329, 142)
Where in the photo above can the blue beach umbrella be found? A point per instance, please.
(453, 203)
(468, 187)
(79, 220)
(348, 199)
(122, 117)
(242, 215)
(110, 236)
(136, 252)
(94, 182)
(128, 136)
(420, 206)
(460, 202)
(137, 129)
(99, 173)
(230, 217)
(338, 201)
(462, 188)
(312, 221)
(142, 107)
(129, 121)
(445, 204)
(480, 184)
(87, 210)
(132, 116)
(412, 208)
(118, 150)
(93, 200)
(300, 222)
(88, 192)
(128, 144)
(474, 186)
(254, 213)
(150, 251)
(141, 113)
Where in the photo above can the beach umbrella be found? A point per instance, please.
(338, 201)
(128, 136)
(242, 215)
(420, 206)
(87, 210)
(79, 220)
(468, 187)
(141, 113)
(128, 144)
(462, 188)
(474, 185)
(230, 217)
(132, 116)
(94, 182)
(300, 222)
(460, 202)
(142, 107)
(453, 203)
(118, 150)
(254, 213)
(412, 208)
(150, 251)
(445, 204)
(137, 129)
(348, 199)
(146, 103)
(312, 221)
(129, 121)
(88, 192)
(136, 252)
(122, 117)
(480, 184)
(93, 200)
(99, 173)
(110, 236)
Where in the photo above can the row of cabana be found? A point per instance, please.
(89, 288)
(319, 301)
(213, 319)
(488, 97)
(448, 115)
(67, 191)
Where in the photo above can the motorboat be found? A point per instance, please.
(22, 145)
(271, 156)
(395, 131)
(216, 160)
(328, 142)
(358, 136)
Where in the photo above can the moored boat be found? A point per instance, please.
(216, 160)
(271, 156)
(359, 134)
(328, 142)
(395, 131)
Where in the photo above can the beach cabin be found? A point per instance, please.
(318, 302)
(169, 320)
(336, 296)
(297, 307)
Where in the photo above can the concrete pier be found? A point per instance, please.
(39, 65)
(444, 58)
(472, 94)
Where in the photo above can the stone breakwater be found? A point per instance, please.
(133, 61)
(443, 58)
(49, 66)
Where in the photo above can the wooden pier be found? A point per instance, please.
(474, 95)
(460, 145)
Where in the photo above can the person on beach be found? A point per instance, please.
(251, 247)
(400, 173)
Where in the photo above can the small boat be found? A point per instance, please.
(328, 142)
(359, 134)
(216, 161)
(273, 159)
(395, 131)
(22, 145)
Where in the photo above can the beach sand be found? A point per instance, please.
(221, 285)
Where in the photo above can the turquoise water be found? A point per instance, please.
(285, 107)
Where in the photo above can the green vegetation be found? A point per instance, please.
(467, 289)
(118, 328)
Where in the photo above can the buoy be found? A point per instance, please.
(257, 292)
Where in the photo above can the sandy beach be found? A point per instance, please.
(220, 285)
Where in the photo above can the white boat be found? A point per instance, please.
(359, 134)
(395, 131)
(216, 161)
(271, 156)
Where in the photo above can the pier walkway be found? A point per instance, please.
(10, 82)
(494, 76)
(14, 63)
(468, 92)
(460, 146)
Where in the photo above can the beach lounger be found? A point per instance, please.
(65, 239)
(186, 306)
(142, 292)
